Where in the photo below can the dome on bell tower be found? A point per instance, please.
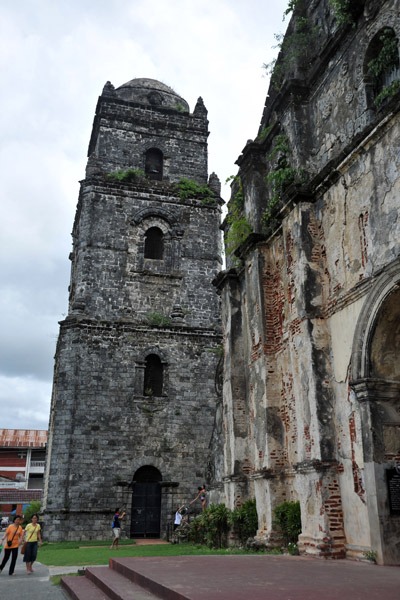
(151, 92)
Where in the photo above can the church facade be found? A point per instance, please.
(307, 407)
(133, 402)
(310, 297)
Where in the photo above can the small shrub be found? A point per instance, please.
(158, 319)
(187, 188)
(288, 519)
(180, 108)
(293, 549)
(127, 175)
(211, 527)
(264, 134)
(245, 520)
(370, 555)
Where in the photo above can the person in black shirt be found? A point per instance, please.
(116, 527)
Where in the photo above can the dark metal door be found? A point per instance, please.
(146, 510)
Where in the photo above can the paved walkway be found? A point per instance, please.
(232, 578)
(261, 577)
(36, 586)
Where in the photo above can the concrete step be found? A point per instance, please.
(116, 585)
(131, 570)
(81, 588)
(103, 583)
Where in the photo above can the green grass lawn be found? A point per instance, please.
(65, 554)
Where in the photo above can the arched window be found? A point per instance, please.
(382, 66)
(153, 376)
(154, 164)
(154, 243)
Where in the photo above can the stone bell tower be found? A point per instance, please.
(134, 397)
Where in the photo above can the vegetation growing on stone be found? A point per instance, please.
(238, 226)
(292, 5)
(370, 555)
(264, 134)
(384, 63)
(388, 92)
(158, 319)
(343, 11)
(180, 108)
(187, 188)
(279, 178)
(294, 48)
(127, 175)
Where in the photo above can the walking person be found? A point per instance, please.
(32, 536)
(116, 527)
(14, 534)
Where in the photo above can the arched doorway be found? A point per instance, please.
(146, 503)
(375, 379)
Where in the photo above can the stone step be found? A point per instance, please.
(103, 583)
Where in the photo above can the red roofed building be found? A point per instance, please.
(22, 458)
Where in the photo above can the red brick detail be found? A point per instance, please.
(357, 474)
(256, 348)
(362, 225)
(287, 413)
(274, 294)
(307, 441)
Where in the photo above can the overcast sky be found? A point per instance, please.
(56, 56)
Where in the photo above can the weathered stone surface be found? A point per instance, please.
(310, 316)
(125, 306)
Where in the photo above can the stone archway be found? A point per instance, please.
(375, 379)
(146, 503)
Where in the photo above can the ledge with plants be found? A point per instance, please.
(127, 176)
(281, 178)
(237, 225)
(188, 189)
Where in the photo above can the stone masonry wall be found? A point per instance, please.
(121, 137)
(124, 307)
(309, 290)
(106, 428)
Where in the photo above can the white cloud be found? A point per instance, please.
(55, 58)
(25, 403)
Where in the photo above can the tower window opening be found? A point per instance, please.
(154, 243)
(154, 164)
(153, 376)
